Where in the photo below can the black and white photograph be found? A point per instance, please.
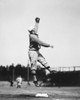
(39, 50)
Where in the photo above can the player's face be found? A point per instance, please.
(33, 32)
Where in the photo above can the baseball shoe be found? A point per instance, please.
(36, 83)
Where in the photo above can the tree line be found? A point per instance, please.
(11, 72)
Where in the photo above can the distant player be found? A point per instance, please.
(34, 47)
(19, 81)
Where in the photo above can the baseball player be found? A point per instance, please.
(34, 47)
(19, 81)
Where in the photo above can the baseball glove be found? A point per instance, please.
(37, 19)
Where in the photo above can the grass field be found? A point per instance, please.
(28, 92)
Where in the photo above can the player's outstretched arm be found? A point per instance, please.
(34, 38)
(36, 26)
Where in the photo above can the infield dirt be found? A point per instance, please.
(27, 92)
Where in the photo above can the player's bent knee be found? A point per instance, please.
(34, 72)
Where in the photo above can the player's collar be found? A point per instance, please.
(34, 34)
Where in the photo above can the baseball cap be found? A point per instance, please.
(31, 28)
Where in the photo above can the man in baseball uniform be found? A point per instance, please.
(19, 81)
(34, 47)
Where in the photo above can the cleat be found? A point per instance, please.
(48, 67)
(36, 83)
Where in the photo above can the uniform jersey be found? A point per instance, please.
(33, 44)
(36, 43)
